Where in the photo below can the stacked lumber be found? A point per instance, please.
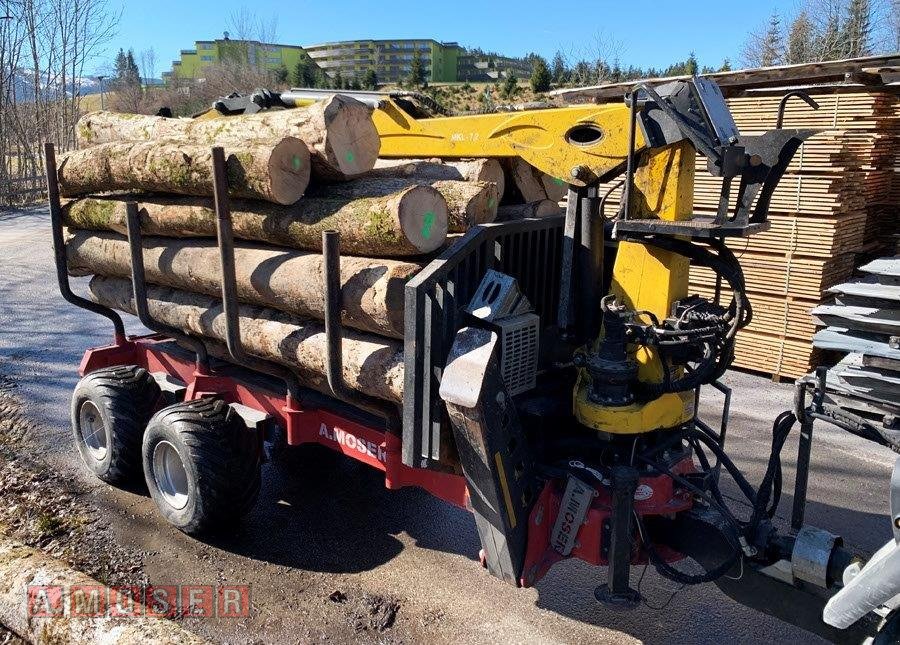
(836, 205)
(292, 175)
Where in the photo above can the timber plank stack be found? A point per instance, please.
(836, 205)
(292, 174)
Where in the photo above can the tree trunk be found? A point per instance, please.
(286, 280)
(411, 221)
(372, 364)
(276, 172)
(532, 184)
(339, 132)
(469, 203)
(543, 208)
(437, 169)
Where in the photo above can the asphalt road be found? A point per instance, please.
(324, 524)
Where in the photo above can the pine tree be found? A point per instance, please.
(800, 40)
(370, 80)
(857, 29)
(338, 81)
(540, 75)
(121, 65)
(416, 71)
(691, 65)
(281, 75)
(510, 86)
(772, 45)
(304, 73)
(559, 69)
(830, 46)
(726, 66)
(132, 74)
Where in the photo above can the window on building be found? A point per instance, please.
(206, 59)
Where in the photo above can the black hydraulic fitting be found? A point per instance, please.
(612, 372)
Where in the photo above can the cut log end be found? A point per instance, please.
(492, 171)
(289, 169)
(352, 137)
(423, 216)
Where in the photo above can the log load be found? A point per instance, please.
(438, 169)
(542, 208)
(371, 364)
(411, 221)
(277, 171)
(290, 281)
(531, 184)
(469, 203)
(339, 132)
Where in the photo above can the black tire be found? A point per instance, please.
(110, 409)
(218, 480)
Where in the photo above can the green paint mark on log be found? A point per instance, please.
(296, 163)
(558, 181)
(427, 224)
(491, 202)
(349, 156)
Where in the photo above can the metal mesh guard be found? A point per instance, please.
(519, 352)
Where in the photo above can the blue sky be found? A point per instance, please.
(648, 33)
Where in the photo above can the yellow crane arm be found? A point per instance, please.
(576, 144)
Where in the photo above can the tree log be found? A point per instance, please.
(286, 280)
(411, 221)
(277, 173)
(437, 169)
(555, 188)
(543, 208)
(469, 203)
(372, 364)
(339, 132)
(531, 184)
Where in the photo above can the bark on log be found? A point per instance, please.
(372, 364)
(555, 188)
(339, 132)
(290, 281)
(438, 169)
(531, 184)
(276, 172)
(469, 203)
(411, 221)
(543, 208)
(23, 568)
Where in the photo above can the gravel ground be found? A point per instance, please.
(330, 554)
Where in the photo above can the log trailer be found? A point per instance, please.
(553, 369)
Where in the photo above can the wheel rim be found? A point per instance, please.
(170, 475)
(93, 431)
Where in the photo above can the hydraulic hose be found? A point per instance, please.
(771, 483)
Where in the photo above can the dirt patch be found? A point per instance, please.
(49, 512)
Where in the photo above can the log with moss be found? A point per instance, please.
(411, 221)
(542, 208)
(277, 172)
(339, 132)
(372, 364)
(290, 281)
(488, 170)
(469, 203)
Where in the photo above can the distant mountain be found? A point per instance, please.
(23, 82)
